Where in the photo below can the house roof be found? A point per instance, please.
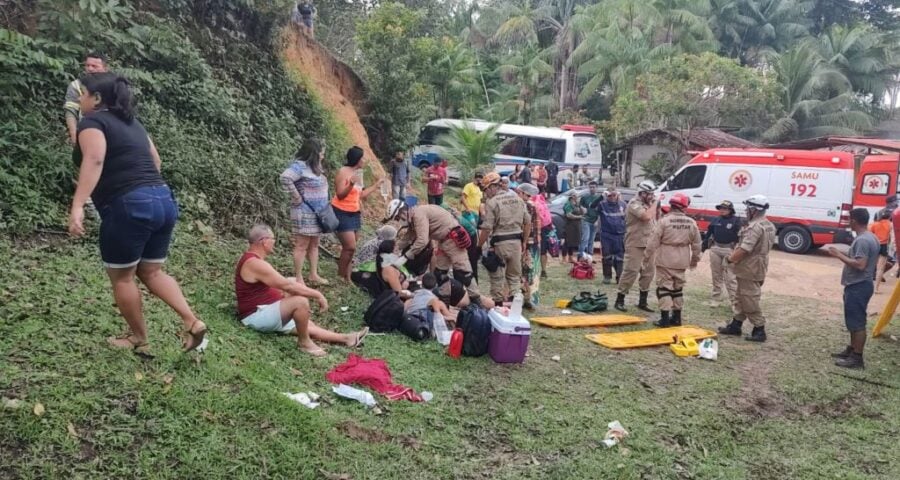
(698, 138)
(827, 142)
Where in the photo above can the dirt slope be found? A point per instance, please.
(341, 91)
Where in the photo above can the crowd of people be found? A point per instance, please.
(428, 254)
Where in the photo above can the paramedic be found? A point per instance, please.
(612, 234)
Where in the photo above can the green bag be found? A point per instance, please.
(588, 302)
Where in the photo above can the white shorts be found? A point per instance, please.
(267, 319)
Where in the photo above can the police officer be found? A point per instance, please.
(424, 223)
(720, 239)
(507, 224)
(676, 239)
(612, 234)
(640, 217)
(750, 261)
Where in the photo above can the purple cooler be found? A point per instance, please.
(509, 338)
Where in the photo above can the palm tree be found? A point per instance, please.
(684, 22)
(817, 98)
(469, 149)
(616, 57)
(858, 53)
(528, 69)
(766, 27)
(520, 23)
(453, 76)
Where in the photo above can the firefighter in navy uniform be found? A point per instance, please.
(720, 239)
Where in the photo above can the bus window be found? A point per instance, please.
(430, 135)
(557, 151)
(515, 146)
(587, 147)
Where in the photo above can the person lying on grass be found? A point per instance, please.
(425, 299)
(268, 302)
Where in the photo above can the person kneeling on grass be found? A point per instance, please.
(268, 302)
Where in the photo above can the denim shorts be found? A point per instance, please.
(137, 227)
(347, 221)
(856, 300)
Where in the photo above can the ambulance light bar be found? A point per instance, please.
(745, 154)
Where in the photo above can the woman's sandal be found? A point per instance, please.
(141, 349)
(360, 336)
(193, 337)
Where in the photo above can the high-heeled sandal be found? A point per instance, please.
(192, 338)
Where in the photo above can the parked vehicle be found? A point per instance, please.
(811, 193)
(558, 202)
(568, 145)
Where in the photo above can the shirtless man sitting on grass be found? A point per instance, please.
(269, 302)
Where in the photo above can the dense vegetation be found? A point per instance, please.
(211, 87)
(828, 64)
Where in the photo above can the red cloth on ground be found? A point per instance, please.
(372, 373)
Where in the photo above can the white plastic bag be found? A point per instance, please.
(709, 349)
(360, 396)
(307, 399)
(441, 332)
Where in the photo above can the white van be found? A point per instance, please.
(810, 192)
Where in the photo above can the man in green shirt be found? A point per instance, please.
(589, 221)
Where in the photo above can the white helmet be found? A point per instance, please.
(646, 186)
(394, 209)
(759, 202)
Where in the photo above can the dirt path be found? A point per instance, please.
(815, 275)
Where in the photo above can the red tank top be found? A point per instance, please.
(251, 295)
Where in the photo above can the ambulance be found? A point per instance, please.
(810, 192)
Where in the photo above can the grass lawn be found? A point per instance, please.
(777, 410)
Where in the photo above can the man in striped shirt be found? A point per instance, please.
(93, 63)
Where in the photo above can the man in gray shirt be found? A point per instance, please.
(399, 175)
(859, 270)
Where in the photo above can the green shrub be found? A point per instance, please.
(213, 93)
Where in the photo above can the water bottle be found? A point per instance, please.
(456, 343)
(515, 310)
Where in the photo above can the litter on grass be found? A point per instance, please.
(709, 349)
(360, 396)
(307, 399)
(615, 434)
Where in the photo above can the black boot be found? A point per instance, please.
(846, 353)
(663, 321)
(642, 302)
(676, 318)
(620, 302)
(854, 360)
(733, 328)
(757, 335)
(607, 272)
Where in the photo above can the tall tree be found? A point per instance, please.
(527, 68)
(860, 55)
(816, 97)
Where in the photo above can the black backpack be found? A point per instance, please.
(476, 328)
(417, 325)
(385, 313)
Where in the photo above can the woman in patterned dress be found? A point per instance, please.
(305, 181)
